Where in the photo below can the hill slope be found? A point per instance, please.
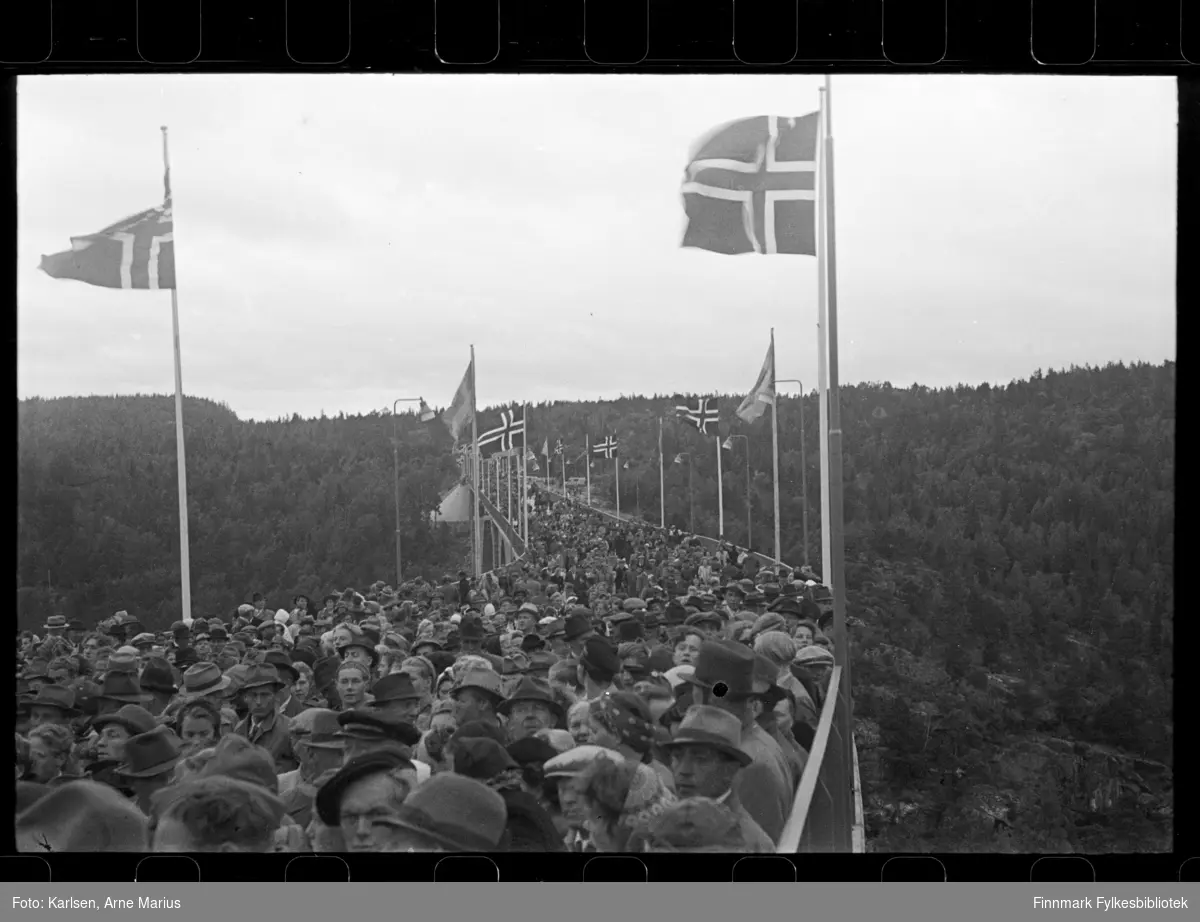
(1009, 560)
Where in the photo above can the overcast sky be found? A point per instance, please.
(341, 240)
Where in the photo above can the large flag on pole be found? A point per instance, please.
(458, 415)
(510, 434)
(762, 395)
(138, 252)
(608, 447)
(750, 187)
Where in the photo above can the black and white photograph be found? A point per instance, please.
(595, 463)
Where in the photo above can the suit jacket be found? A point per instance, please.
(273, 736)
(293, 708)
(757, 840)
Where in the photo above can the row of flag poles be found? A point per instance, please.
(760, 185)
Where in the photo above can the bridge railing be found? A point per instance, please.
(826, 814)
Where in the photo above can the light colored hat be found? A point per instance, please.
(677, 675)
(282, 617)
(489, 609)
(573, 762)
(455, 618)
(813, 655)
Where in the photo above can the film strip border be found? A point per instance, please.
(550, 868)
(448, 35)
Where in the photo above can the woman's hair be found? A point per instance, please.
(776, 646)
(604, 785)
(808, 623)
(204, 708)
(306, 672)
(219, 810)
(58, 740)
(579, 711)
(421, 663)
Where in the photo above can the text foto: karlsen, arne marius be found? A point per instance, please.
(70, 902)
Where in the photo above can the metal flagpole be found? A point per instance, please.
(775, 442)
(844, 810)
(524, 473)
(587, 442)
(477, 522)
(720, 493)
(823, 368)
(662, 492)
(564, 471)
(185, 569)
(508, 479)
(617, 468)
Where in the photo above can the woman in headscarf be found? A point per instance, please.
(620, 800)
(622, 721)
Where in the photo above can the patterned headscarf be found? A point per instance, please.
(626, 716)
(648, 798)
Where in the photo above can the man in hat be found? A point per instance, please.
(529, 709)
(577, 630)
(477, 694)
(470, 636)
(149, 763)
(52, 704)
(706, 759)
(113, 730)
(726, 677)
(363, 795)
(528, 616)
(707, 623)
(158, 684)
(365, 731)
(264, 726)
(396, 698)
(598, 667)
(321, 754)
(118, 689)
(55, 626)
(288, 704)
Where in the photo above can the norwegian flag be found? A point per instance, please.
(508, 435)
(703, 415)
(558, 447)
(138, 252)
(608, 447)
(750, 187)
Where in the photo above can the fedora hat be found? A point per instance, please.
(145, 639)
(122, 686)
(203, 679)
(458, 813)
(575, 627)
(484, 680)
(395, 687)
(133, 717)
(282, 663)
(55, 623)
(704, 725)
(125, 660)
(149, 754)
(531, 689)
(364, 724)
(325, 731)
(157, 676)
(260, 675)
(726, 662)
(54, 696)
(529, 607)
(470, 629)
(328, 801)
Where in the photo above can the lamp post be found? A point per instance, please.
(691, 495)
(426, 415)
(803, 463)
(729, 444)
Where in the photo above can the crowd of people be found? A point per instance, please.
(620, 688)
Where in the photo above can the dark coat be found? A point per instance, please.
(273, 736)
(529, 827)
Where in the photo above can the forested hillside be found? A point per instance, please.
(1009, 560)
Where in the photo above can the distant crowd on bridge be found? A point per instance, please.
(620, 688)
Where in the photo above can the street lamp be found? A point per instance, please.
(729, 444)
(803, 462)
(691, 495)
(426, 415)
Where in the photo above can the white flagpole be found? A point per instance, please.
(587, 442)
(775, 442)
(720, 493)
(477, 521)
(662, 493)
(564, 471)
(844, 810)
(823, 354)
(525, 474)
(185, 569)
(617, 468)
(508, 476)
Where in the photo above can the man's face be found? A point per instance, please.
(259, 603)
(405, 709)
(43, 765)
(471, 646)
(527, 622)
(470, 704)
(197, 732)
(526, 718)
(260, 702)
(75, 636)
(357, 655)
(111, 744)
(351, 686)
(702, 771)
(366, 807)
(40, 714)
